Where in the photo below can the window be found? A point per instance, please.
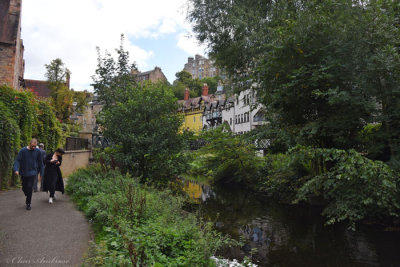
(241, 118)
(230, 123)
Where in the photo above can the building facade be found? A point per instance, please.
(12, 64)
(201, 67)
(192, 109)
(241, 112)
(245, 114)
(154, 76)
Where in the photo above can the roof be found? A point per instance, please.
(9, 21)
(210, 100)
(154, 72)
(40, 88)
(144, 73)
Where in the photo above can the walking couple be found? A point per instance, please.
(30, 162)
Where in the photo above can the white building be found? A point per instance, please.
(247, 113)
(241, 112)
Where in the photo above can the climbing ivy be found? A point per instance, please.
(48, 127)
(22, 117)
(9, 144)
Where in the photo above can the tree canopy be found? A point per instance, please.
(185, 80)
(141, 120)
(62, 97)
(325, 70)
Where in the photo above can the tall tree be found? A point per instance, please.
(148, 143)
(62, 97)
(113, 76)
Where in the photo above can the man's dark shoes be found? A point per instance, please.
(28, 206)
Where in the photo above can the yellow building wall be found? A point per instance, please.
(193, 121)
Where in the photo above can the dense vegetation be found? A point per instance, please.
(138, 226)
(148, 144)
(348, 185)
(185, 80)
(61, 96)
(327, 73)
(23, 117)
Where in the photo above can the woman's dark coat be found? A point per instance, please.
(52, 170)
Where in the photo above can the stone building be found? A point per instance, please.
(201, 67)
(155, 75)
(12, 64)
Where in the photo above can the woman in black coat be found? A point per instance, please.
(52, 179)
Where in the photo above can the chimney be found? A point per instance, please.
(204, 92)
(187, 94)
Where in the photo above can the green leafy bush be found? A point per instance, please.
(139, 226)
(350, 186)
(354, 186)
(149, 143)
(226, 158)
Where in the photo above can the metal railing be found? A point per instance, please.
(75, 143)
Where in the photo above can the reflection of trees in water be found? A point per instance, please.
(309, 244)
(288, 235)
(265, 235)
(360, 249)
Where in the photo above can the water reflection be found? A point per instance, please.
(285, 235)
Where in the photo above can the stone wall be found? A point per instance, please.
(157, 75)
(11, 47)
(7, 64)
(73, 160)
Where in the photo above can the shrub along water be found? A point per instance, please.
(139, 226)
(350, 186)
(226, 158)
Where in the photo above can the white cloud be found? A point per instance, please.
(71, 30)
(189, 44)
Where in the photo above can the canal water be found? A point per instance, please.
(274, 234)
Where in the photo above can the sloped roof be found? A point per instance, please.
(40, 88)
(209, 102)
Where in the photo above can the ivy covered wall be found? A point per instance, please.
(23, 117)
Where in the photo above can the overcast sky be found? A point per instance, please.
(156, 35)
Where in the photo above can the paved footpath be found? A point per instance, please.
(48, 235)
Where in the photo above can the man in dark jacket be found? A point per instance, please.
(27, 164)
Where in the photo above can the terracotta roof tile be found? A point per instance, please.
(40, 88)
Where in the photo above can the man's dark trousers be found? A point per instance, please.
(27, 184)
